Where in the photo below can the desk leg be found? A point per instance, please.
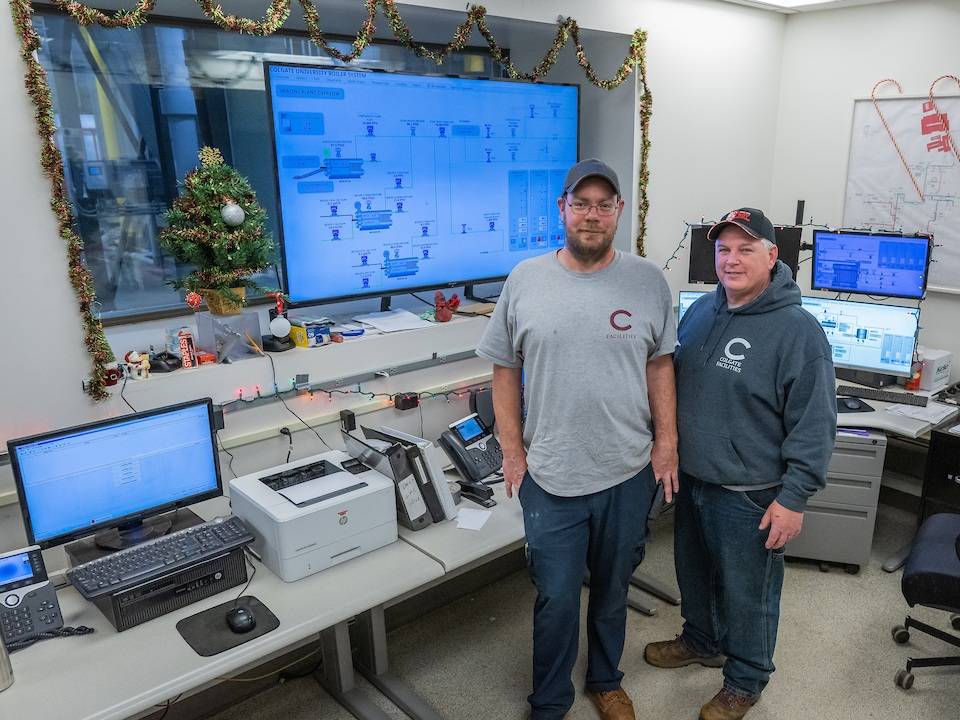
(371, 640)
(656, 588)
(336, 675)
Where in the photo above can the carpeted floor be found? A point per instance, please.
(835, 657)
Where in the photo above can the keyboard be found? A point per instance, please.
(889, 396)
(125, 568)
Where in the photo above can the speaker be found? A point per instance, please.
(481, 402)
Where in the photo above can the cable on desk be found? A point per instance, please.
(286, 431)
(62, 632)
(249, 579)
(229, 454)
(123, 387)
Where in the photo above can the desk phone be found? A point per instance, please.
(28, 600)
(472, 448)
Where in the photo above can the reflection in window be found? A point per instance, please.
(132, 111)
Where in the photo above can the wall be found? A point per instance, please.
(912, 41)
(700, 53)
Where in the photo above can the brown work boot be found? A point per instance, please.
(727, 705)
(613, 704)
(675, 653)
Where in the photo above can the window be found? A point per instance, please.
(133, 108)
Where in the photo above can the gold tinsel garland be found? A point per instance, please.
(274, 18)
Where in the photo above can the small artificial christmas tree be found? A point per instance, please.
(216, 225)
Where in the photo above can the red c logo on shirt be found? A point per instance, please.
(613, 321)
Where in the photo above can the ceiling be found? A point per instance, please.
(794, 6)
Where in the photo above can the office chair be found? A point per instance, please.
(931, 577)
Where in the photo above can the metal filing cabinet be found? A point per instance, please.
(839, 520)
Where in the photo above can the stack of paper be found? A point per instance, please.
(392, 320)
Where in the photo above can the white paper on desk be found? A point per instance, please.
(392, 320)
(934, 412)
(472, 519)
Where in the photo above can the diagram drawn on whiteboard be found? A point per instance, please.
(882, 196)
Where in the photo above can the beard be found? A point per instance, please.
(592, 246)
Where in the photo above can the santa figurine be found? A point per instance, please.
(445, 308)
(138, 365)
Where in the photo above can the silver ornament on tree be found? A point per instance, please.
(233, 214)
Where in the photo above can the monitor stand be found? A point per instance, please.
(109, 541)
(864, 377)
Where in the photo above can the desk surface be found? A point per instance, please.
(115, 675)
(457, 549)
(880, 419)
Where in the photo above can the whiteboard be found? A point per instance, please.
(880, 193)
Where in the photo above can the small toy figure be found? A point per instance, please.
(138, 365)
(444, 307)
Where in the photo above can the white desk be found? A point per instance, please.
(110, 675)
(457, 549)
(880, 419)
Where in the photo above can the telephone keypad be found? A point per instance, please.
(36, 613)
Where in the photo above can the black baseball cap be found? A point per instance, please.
(751, 220)
(587, 169)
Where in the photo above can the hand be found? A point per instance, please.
(784, 525)
(666, 468)
(514, 468)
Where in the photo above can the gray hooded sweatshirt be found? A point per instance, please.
(756, 397)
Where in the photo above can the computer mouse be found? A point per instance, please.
(852, 404)
(241, 620)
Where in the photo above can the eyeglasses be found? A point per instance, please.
(604, 209)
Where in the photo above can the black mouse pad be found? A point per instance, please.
(864, 407)
(207, 632)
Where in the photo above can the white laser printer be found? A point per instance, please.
(314, 513)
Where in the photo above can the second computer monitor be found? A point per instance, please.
(868, 336)
(703, 269)
(687, 298)
(870, 263)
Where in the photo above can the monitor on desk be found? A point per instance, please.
(114, 474)
(885, 264)
(873, 337)
(687, 298)
(702, 265)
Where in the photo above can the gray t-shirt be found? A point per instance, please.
(583, 341)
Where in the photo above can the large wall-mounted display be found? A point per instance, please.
(393, 182)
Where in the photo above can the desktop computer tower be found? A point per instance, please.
(162, 594)
(941, 479)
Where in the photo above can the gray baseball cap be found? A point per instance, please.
(587, 169)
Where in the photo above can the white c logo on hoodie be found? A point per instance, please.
(736, 341)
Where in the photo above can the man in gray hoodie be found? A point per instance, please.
(757, 423)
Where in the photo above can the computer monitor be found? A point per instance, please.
(868, 336)
(393, 182)
(687, 298)
(703, 269)
(114, 474)
(871, 263)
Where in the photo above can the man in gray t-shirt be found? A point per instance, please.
(592, 331)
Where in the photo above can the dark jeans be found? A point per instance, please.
(730, 583)
(604, 532)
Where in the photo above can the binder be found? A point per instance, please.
(432, 460)
(412, 510)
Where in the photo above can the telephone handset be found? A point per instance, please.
(475, 453)
(28, 600)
